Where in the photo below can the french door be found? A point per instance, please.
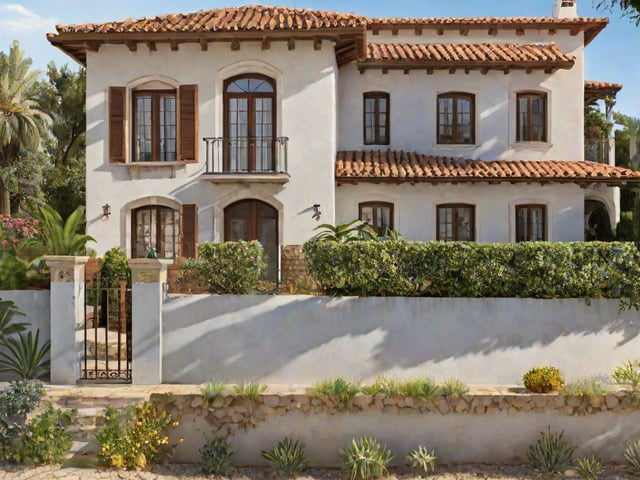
(254, 220)
(249, 122)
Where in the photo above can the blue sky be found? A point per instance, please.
(612, 56)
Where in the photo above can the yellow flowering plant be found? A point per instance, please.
(135, 437)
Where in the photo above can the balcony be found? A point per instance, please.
(599, 150)
(246, 159)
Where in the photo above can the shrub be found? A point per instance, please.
(251, 390)
(230, 267)
(24, 356)
(339, 391)
(115, 266)
(422, 460)
(136, 437)
(385, 384)
(586, 387)
(632, 458)
(543, 379)
(590, 467)
(63, 237)
(465, 269)
(216, 455)
(422, 388)
(289, 456)
(211, 390)
(628, 374)
(19, 267)
(365, 459)
(551, 453)
(453, 388)
(44, 439)
(16, 401)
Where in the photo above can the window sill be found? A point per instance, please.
(274, 177)
(454, 146)
(136, 167)
(533, 145)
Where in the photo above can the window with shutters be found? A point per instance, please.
(162, 125)
(156, 230)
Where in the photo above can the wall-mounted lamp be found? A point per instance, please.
(106, 211)
(316, 211)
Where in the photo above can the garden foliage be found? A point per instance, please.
(463, 269)
(229, 267)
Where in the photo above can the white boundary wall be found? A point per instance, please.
(301, 339)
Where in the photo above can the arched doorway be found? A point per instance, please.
(249, 123)
(254, 220)
(597, 225)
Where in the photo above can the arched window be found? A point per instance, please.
(456, 118)
(155, 227)
(249, 123)
(456, 222)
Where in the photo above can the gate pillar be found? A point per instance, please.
(148, 277)
(67, 317)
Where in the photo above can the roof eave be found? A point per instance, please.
(582, 181)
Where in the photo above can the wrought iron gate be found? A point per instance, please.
(107, 332)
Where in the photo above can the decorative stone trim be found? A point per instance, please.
(147, 270)
(65, 268)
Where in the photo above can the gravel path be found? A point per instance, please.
(194, 472)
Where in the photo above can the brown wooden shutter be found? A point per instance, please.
(117, 96)
(189, 230)
(188, 123)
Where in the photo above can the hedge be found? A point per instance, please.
(229, 267)
(462, 269)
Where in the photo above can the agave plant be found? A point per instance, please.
(7, 326)
(24, 357)
(62, 237)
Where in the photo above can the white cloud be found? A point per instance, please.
(15, 18)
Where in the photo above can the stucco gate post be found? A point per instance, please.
(67, 317)
(148, 277)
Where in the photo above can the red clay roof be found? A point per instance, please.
(401, 166)
(478, 54)
(594, 90)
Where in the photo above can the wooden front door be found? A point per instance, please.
(254, 220)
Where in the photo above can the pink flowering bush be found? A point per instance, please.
(18, 268)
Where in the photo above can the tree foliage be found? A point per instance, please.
(629, 8)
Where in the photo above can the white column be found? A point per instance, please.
(147, 277)
(67, 317)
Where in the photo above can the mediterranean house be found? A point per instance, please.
(261, 123)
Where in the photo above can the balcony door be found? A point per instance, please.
(254, 220)
(249, 122)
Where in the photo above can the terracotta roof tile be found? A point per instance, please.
(594, 90)
(467, 53)
(602, 85)
(246, 18)
(399, 166)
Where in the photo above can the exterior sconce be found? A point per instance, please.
(316, 211)
(106, 211)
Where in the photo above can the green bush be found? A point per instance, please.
(464, 269)
(229, 267)
(628, 374)
(340, 392)
(115, 266)
(543, 379)
(365, 459)
(216, 455)
(551, 453)
(289, 456)
(590, 467)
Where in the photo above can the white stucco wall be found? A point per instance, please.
(415, 207)
(301, 339)
(413, 100)
(306, 99)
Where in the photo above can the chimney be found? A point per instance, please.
(565, 9)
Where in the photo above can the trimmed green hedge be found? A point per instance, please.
(229, 267)
(461, 269)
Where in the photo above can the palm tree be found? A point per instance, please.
(22, 118)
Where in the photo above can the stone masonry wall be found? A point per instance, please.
(294, 269)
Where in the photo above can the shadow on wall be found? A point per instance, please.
(299, 339)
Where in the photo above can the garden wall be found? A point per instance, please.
(302, 339)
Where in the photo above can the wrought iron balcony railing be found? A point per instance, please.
(596, 150)
(239, 155)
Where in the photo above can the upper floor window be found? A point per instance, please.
(377, 214)
(163, 123)
(456, 222)
(154, 126)
(531, 117)
(249, 123)
(456, 118)
(531, 223)
(376, 118)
